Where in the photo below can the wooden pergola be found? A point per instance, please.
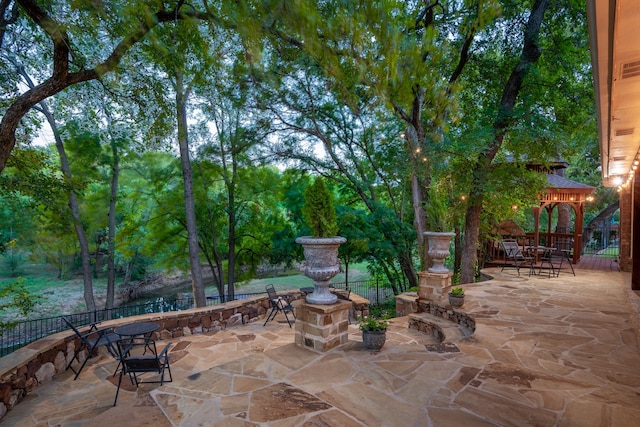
(563, 190)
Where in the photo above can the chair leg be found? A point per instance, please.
(162, 380)
(570, 263)
(118, 389)
(271, 316)
(287, 317)
(560, 266)
(86, 359)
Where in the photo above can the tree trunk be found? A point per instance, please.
(414, 135)
(457, 251)
(407, 268)
(74, 208)
(77, 225)
(564, 212)
(111, 234)
(215, 264)
(197, 282)
(73, 201)
(530, 53)
(231, 268)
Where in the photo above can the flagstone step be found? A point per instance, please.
(440, 329)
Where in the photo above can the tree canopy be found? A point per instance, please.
(191, 129)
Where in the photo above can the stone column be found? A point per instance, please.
(434, 287)
(321, 327)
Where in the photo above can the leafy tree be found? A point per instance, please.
(15, 296)
(525, 113)
(357, 145)
(318, 210)
(103, 35)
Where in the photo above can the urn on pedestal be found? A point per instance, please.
(321, 256)
(438, 249)
(320, 249)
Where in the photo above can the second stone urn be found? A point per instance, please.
(321, 256)
(438, 249)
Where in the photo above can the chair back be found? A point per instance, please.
(93, 331)
(511, 248)
(139, 355)
(271, 291)
(77, 332)
(564, 244)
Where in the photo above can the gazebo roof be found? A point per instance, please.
(557, 183)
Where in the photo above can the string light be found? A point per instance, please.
(618, 179)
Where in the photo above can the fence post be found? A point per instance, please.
(377, 291)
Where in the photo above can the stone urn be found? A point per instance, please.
(321, 256)
(438, 244)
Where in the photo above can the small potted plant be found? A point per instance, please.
(374, 332)
(456, 297)
(321, 248)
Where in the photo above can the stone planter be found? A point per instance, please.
(438, 243)
(374, 340)
(456, 300)
(321, 256)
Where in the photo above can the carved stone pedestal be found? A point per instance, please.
(322, 327)
(434, 286)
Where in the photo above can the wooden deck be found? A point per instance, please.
(597, 263)
(586, 263)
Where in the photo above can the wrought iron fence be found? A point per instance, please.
(24, 332)
(603, 240)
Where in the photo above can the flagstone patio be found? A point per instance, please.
(546, 352)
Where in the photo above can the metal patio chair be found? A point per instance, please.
(138, 356)
(91, 340)
(514, 257)
(279, 304)
(553, 259)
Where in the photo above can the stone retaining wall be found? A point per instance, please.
(447, 313)
(409, 303)
(25, 369)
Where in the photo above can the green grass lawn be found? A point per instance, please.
(357, 272)
(67, 296)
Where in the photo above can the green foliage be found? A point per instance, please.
(373, 323)
(386, 310)
(318, 210)
(16, 296)
(12, 260)
(457, 291)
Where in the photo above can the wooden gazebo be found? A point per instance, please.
(562, 190)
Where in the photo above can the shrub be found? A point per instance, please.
(373, 323)
(318, 210)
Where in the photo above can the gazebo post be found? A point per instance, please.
(577, 232)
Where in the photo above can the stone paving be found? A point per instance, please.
(546, 352)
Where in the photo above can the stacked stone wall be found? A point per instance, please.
(25, 369)
(447, 313)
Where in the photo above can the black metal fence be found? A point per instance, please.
(601, 241)
(24, 332)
